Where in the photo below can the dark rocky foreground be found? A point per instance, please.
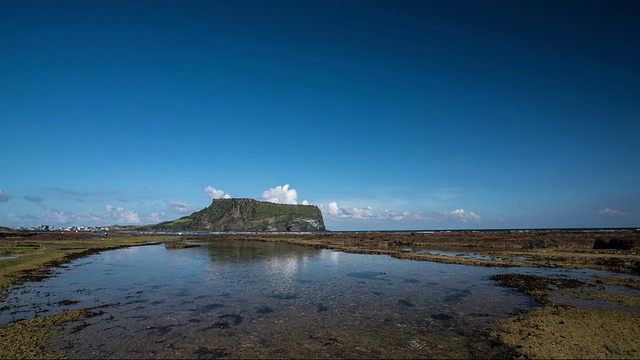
(555, 330)
(605, 325)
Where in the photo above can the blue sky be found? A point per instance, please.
(386, 114)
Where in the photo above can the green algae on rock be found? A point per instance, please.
(28, 339)
(570, 333)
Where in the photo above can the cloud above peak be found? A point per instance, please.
(216, 193)
(282, 195)
(4, 197)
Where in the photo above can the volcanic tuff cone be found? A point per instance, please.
(246, 215)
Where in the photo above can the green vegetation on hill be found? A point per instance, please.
(245, 215)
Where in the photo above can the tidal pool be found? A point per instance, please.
(257, 299)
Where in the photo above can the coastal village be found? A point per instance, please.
(66, 229)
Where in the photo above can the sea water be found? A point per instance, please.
(261, 299)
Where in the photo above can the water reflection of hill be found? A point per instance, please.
(251, 251)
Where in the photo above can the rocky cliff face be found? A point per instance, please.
(247, 215)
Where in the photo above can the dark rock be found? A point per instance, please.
(454, 296)
(177, 245)
(618, 244)
(406, 303)
(443, 317)
(210, 307)
(237, 318)
(264, 310)
(287, 296)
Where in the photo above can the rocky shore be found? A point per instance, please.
(576, 319)
(604, 250)
(605, 324)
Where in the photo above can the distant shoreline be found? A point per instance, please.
(115, 230)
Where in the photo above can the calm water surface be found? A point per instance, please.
(254, 299)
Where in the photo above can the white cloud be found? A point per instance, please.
(338, 211)
(462, 215)
(363, 214)
(397, 216)
(613, 212)
(4, 197)
(155, 216)
(121, 215)
(58, 217)
(178, 206)
(93, 215)
(216, 193)
(282, 195)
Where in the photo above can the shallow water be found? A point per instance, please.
(254, 299)
(465, 254)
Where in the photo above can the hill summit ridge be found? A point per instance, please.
(245, 214)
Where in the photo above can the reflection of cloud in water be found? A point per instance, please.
(331, 255)
(284, 267)
(278, 262)
(334, 256)
(121, 253)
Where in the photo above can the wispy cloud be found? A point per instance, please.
(49, 217)
(448, 193)
(613, 212)
(23, 220)
(34, 198)
(80, 196)
(282, 195)
(178, 206)
(216, 193)
(4, 197)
